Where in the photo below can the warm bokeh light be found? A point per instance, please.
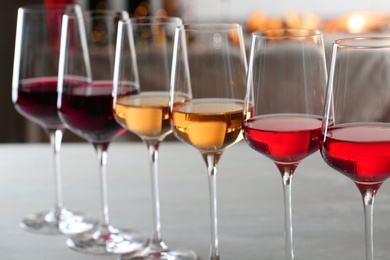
(357, 22)
(141, 11)
(258, 21)
(161, 13)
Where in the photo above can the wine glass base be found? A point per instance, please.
(178, 254)
(110, 241)
(53, 223)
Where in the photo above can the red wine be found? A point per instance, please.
(87, 110)
(37, 100)
(360, 151)
(286, 138)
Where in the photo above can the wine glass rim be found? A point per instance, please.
(45, 7)
(373, 42)
(210, 27)
(155, 19)
(287, 33)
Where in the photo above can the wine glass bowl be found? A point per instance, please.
(285, 89)
(208, 132)
(355, 131)
(135, 120)
(34, 94)
(145, 46)
(85, 105)
(207, 97)
(93, 120)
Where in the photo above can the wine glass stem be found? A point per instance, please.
(153, 146)
(101, 151)
(212, 161)
(287, 181)
(368, 201)
(55, 136)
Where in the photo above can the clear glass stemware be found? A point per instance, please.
(34, 94)
(85, 106)
(147, 113)
(286, 82)
(207, 97)
(356, 124)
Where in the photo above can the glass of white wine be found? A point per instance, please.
(147, 114)
(209, 74)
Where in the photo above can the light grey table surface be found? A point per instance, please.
(327, 208)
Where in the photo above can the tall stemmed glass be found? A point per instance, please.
(147, 113)
(286, 82)
(85, 106)
(356, 124)
(34, 94)
(207, 96)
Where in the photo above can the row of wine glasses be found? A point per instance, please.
(142, 103)
(293, 116)
(63, 78)
(81, 98)
(154, 76)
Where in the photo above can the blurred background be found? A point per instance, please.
(335, 18)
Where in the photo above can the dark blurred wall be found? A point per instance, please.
(12, 124)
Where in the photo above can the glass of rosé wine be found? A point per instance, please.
(34, 94)
(207, 97)
(285, 87)
(355, 137)
(147, 114)
(85, 106)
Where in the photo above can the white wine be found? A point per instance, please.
(146, 114)
(209, 124)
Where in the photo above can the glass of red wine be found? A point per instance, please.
(147, 114)
(34, 94)
(286, 82)
(85, 106)
(207, 97)
(356, 124)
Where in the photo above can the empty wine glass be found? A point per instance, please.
(207, 96)
(34, 94)
(85, 106)
(356, 124)
(286, 82)
(147, 113)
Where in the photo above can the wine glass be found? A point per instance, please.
(34, 94)
(147, 113)
(286, 82)
(207, 97)
(356, 124)
(85, 106)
